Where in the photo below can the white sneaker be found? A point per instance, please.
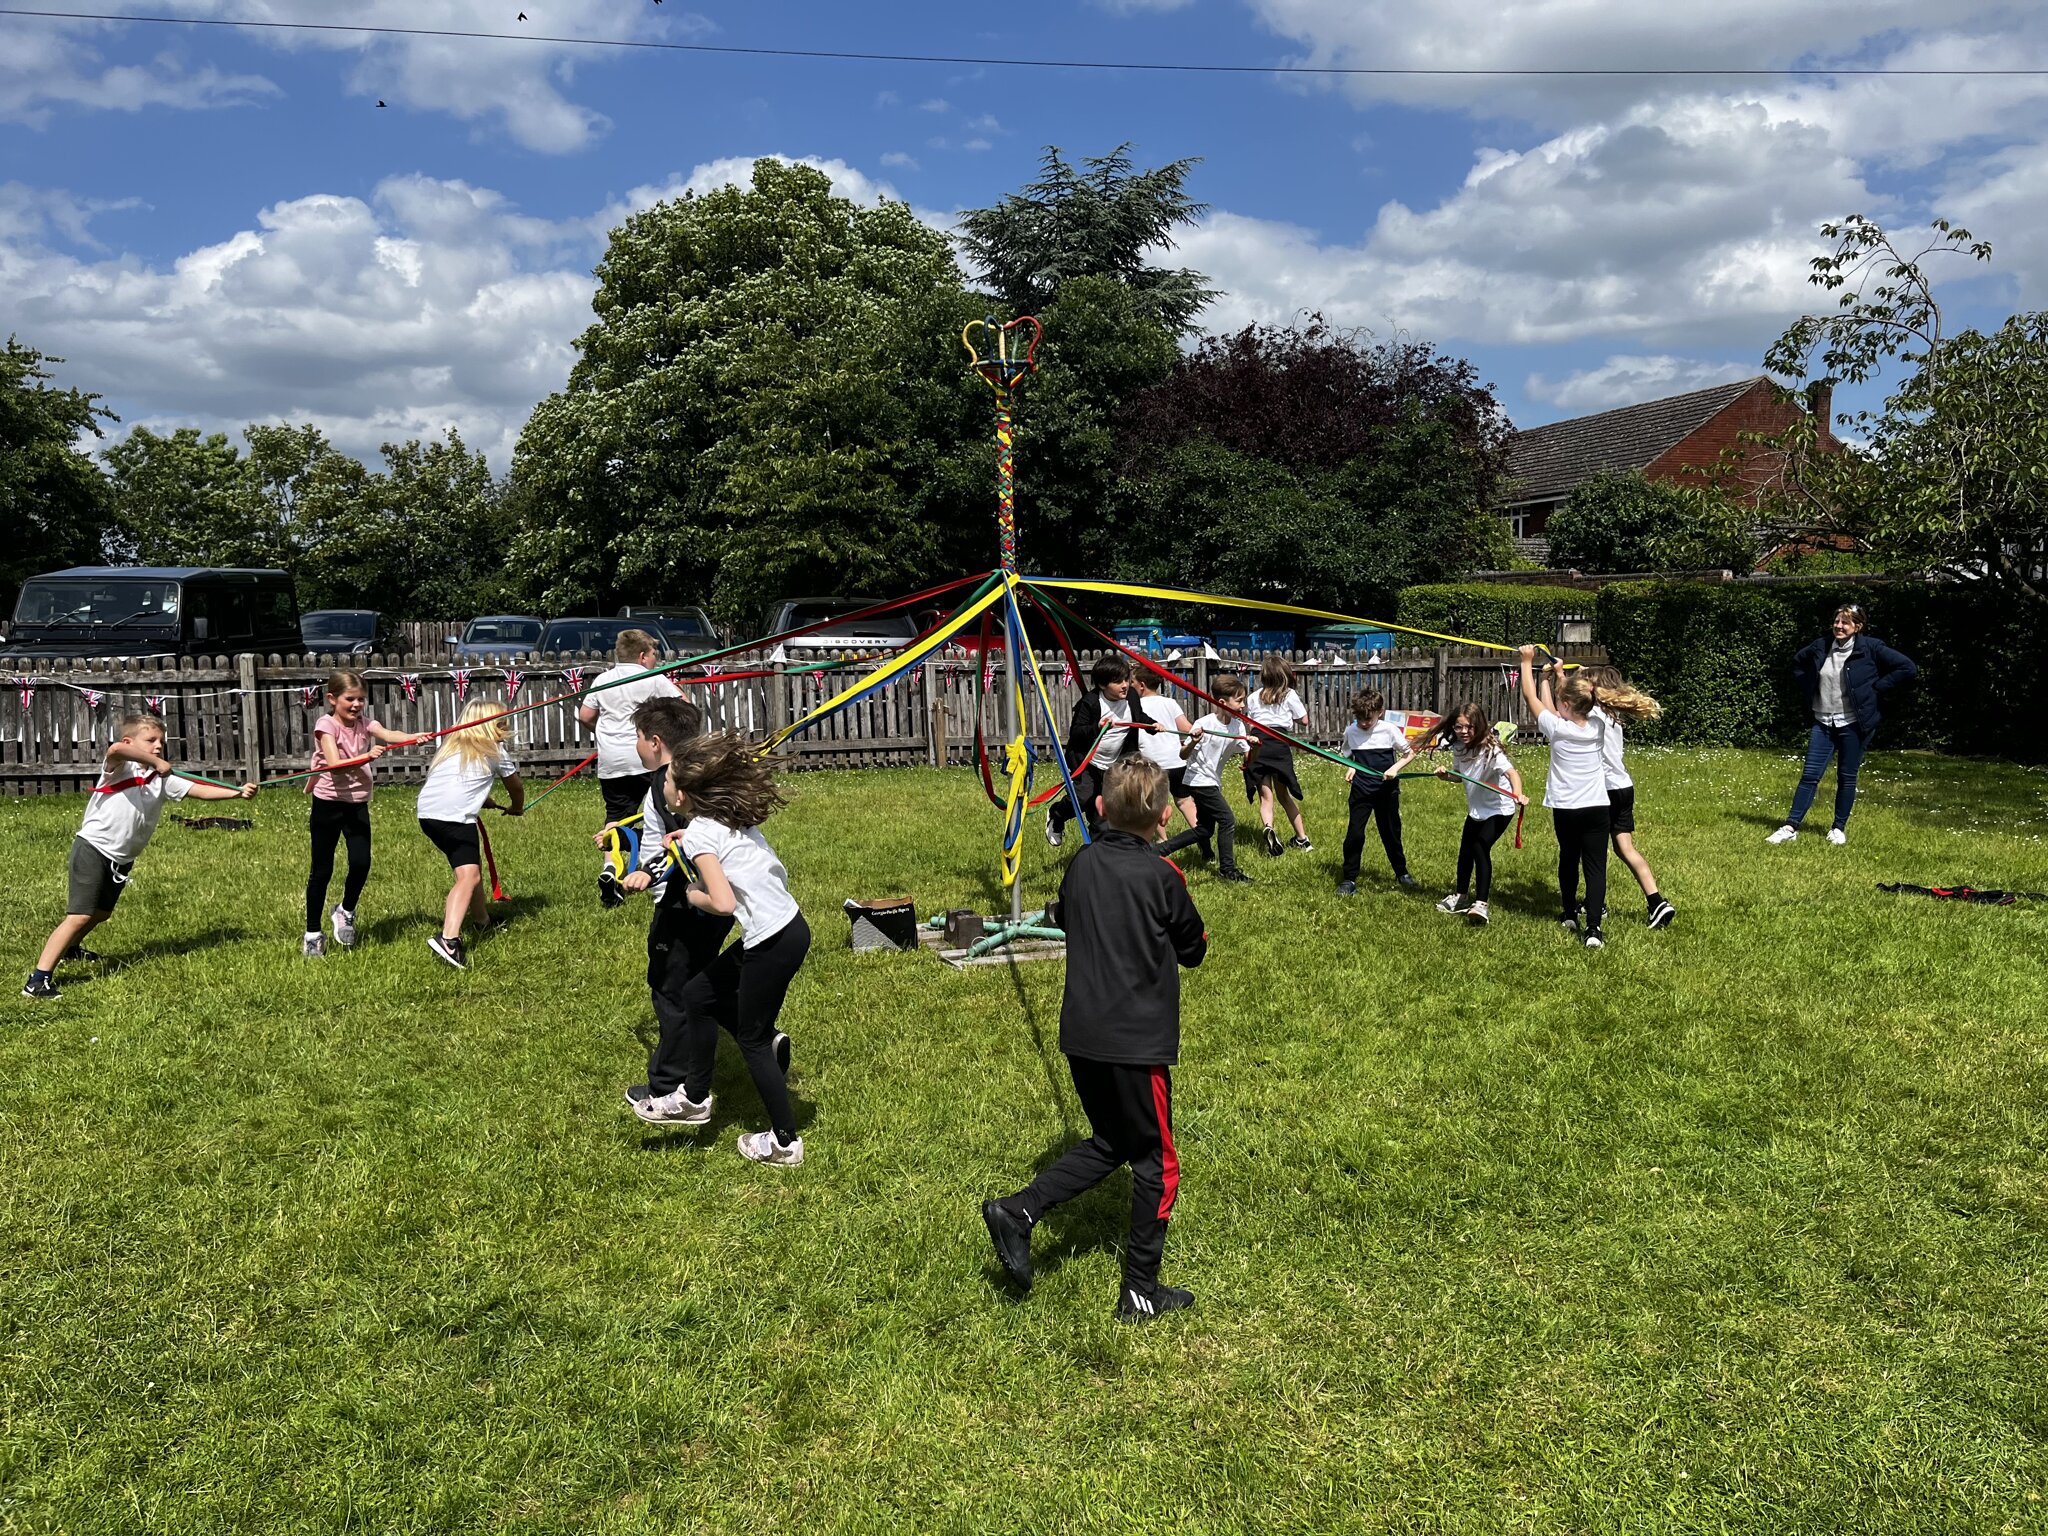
(1784, 834)
(1594, 941)
(315, 947)
(1837, 836)
(762, 1147)
(675, 1108)
(1476, 914)
(1449, 903)
(344, 927)
(1053, 834)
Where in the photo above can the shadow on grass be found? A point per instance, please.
(159, 948)
(738, 1107)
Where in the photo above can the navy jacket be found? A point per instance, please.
(1130, 926)
(1873, 670)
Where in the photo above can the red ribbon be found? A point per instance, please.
(490, 861)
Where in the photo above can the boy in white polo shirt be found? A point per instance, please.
(120, 818)
(608, 708)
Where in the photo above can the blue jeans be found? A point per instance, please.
(1844, 743)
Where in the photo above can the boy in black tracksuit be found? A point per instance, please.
(1129, 925)
(1108, 700)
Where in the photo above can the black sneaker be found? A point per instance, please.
(1235, 876)
(41, 988)
(449, 950)
(1347, 887)
(1273, 845)
(80, 953)
(782, 1052)
(1569, 925)
(1594, 940)
(1133, 1306)
(1407, 882)
(1011, 1234)
(608, 892)
(1663, 914)
(639, 1093)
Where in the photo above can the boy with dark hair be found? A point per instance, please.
(1129, 926)
(121, 814)
(683, 942)
(1106, 703)
(608, 709)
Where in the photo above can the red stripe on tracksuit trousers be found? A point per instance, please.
(1130, 1111)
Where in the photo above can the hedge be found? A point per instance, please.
(1719, 658)
(1504, 612)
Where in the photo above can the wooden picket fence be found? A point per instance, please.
(252, 716)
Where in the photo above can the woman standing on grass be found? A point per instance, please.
(1270, 768)
(1846, 675)
(1576, 792)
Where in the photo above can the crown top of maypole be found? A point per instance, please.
(1009, 357)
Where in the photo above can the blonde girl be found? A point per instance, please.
(470, 762)
(1614, 701)
(1575, 791)
(1493, 788)
(1270, 768)
(727, 789)
(341, 804)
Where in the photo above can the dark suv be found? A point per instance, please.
(145, 611)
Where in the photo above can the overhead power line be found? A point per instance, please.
(1153, 66)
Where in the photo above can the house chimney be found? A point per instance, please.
(1820, 400)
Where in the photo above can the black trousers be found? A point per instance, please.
(1130, 1110)
(1087, 784)
(622, 797)
(756, 980)
(1383, 800)
(335, 821)
(682, 951)
(1215, 827)
(1582, 844)
(1475, 854)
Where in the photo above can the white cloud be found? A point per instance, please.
(46, 65)
(986, 123)
(935, 104)
(976, 146)
(1141, 7)
(516, 88)
(1629, 380)
(895, 159)
(887, 99)
(430, 304)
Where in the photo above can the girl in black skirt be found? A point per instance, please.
(1269, 771)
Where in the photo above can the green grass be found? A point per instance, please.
(1734, 1227)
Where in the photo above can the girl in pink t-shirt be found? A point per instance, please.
(341, 803)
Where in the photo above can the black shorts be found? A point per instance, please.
(1621, 809)
(457, 839)
(622, 796)
(1177, 782)
(1272, 760)
(95, 880)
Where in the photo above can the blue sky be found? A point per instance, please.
(216, 225)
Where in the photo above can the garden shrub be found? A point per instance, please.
(1506, 613)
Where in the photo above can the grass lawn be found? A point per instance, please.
(1734, 1227)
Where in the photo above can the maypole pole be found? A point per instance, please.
(1003, 370)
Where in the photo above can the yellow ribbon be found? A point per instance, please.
(902, 662)
(1179, 594)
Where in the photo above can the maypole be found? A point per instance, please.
(1012, 354)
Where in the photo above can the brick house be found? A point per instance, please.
(1660, 439)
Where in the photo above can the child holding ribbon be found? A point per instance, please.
(345, 742)
(121, 815)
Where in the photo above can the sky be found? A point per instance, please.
(215, 225)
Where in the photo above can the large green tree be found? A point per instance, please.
(187, 498)
(1311, 465)
(772, 401)
(1106, 219)
(1623, 522)
(54, 502)
(1953, 474)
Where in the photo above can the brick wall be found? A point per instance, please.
(1761, 409)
